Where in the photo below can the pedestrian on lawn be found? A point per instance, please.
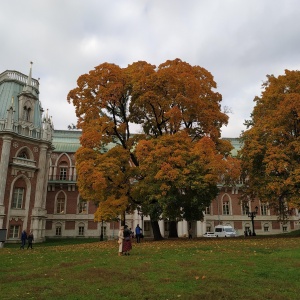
(120, 240)
(30, 240)
(23, 239)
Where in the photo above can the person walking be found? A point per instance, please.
(120, 240)
(23, 239)
(138, 232)
(30, 240)
(127, 246)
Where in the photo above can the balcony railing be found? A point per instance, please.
(63, 177)
(24, 162)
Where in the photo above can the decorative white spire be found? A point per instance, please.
(27, 87)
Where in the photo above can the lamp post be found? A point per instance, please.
(252, 215)
(219, 186)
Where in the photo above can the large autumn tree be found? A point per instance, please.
(180, 176)
(271, 150)
(163, 101)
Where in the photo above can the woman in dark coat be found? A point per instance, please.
(127, 241)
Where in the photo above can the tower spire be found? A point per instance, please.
(28, 83)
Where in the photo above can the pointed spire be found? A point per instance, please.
(30, 74)
(28, 84)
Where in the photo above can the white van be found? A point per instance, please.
(224, 231)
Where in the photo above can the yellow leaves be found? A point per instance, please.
(111, 208)
(166, 172)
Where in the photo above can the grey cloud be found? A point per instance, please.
(239, 42)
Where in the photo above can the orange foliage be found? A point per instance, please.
(271, 152)
(179, 111)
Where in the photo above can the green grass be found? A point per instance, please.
(251, 268)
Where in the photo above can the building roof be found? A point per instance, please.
(236, 143)
(69, 141)
(66, 140)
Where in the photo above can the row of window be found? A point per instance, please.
(226, 209)
(15, 231)
(18, 202)
(82, 207)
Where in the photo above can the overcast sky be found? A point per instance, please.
(238, 41)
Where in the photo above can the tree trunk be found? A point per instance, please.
(156, 231)
(173, 229)
(123, 220)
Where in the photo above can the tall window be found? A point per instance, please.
(225, 208)
(82, 207)
(14, 231)
(81, 230)
(244, 208)
(58, 230)
(60, 204)
(17, 201)
(264, 209)
(26, 115)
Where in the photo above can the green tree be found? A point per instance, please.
(271, 145)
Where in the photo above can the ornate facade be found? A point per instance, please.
(38, 189)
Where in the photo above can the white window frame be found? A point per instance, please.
(18, 196)
(14, 231)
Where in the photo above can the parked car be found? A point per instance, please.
(224, 231)
(209, 234)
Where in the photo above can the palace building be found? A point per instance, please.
(38, 188)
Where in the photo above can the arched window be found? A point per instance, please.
(226, 205)
(266, 227)
(23, 154)
(60, 203)
(26, 114)
(82, 206)
(58, 229)
(81, 229)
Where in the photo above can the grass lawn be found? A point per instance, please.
(237, 268)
